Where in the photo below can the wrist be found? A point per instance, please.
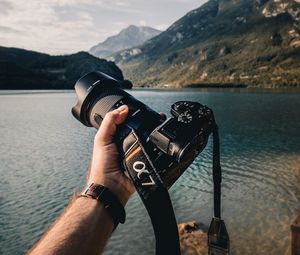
(108, 199)
(114, 186)
(93, 207)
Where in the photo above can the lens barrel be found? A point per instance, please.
(88, 88)
(99, 93)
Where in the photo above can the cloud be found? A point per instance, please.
(60, 26)
(122, 3)
(43, 27)
(120, 24)
(162, 27)
(74, 2)
(6, 29)
(67, 26)
(143, 22)
(5, 7)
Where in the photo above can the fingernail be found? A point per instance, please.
(122, 108)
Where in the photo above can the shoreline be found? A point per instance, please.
(163, 90)
(216, 85)
(222, 89)
(34, 91)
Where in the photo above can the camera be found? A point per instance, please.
(155, 152)
(170, 145)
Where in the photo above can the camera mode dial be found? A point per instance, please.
(186, 112)
(185, 117)
(179, 108)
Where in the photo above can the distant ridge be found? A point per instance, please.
(23, 69)
(252, 42)
(129, 37)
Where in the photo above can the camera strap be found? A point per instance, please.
(218, 238)
(158, 203)
(153, 194)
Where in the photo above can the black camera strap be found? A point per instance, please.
(158, 203)
(153, 194)
(217, 174)
(218, 238)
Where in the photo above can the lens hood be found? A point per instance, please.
(90, 86)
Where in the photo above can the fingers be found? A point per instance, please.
(163, 115)
(109, 124)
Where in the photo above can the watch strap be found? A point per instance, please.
(108, 199)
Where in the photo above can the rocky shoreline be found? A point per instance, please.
(193, 240)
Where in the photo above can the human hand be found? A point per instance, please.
(105, 169)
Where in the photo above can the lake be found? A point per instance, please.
(45, 152)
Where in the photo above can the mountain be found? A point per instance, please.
(22, 69)
(252, 42)
(129, 37)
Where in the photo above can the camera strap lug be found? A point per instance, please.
(218, 239)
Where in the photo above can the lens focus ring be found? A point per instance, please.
(104, 104)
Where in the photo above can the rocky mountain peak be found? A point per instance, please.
(127, 38)
(253, 42)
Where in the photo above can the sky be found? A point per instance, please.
(68, 26)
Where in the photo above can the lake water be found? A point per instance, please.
(44, 154)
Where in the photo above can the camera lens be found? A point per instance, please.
(99, 93)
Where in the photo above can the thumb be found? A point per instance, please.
(109, 124)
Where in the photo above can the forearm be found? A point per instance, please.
(83, 228)
(86, 224)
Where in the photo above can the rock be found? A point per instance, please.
(260, 3)
(240, 20)
(295, 242)
(204, 75)
(224, 50)
(295, 43)
(193, 241)
(276, 39)
(257, 33)
(203, 55)
(127, 38)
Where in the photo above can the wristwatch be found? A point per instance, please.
(108, 199)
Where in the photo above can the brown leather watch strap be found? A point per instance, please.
(108, 199)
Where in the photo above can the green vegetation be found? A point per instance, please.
(21, 69)
(255, 43)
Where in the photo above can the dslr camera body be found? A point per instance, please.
(171, 144)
